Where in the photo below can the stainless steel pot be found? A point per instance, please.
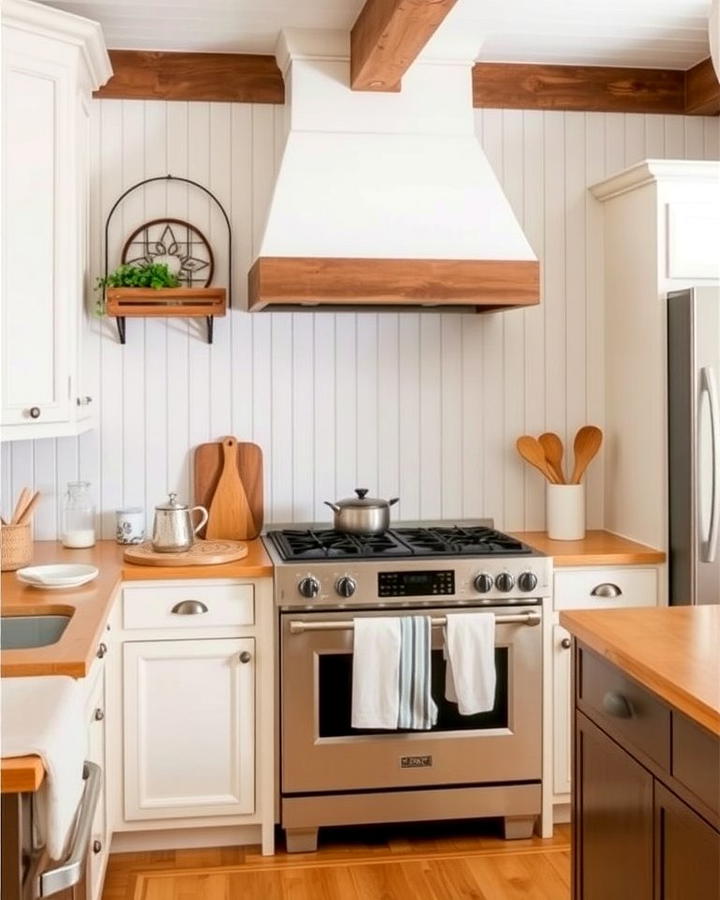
(173, 529)
(361, 514)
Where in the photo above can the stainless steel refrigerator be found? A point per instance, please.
(694, 444)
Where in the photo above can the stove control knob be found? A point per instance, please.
(345, 586)
(504, 582)
(527, 581)
(483, 583)
(309, 587)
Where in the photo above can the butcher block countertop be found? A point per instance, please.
(89, 607)
(672, 651)
(598, 548)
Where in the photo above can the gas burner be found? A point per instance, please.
(455, 540)
(329, 544)
(452, 540)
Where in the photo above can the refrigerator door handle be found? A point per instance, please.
(708, 386)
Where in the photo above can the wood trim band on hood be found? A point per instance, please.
(313, 282)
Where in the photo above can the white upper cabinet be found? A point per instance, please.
(52, 61)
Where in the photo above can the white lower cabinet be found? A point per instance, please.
(599, 587)
(562, 709)
(189, 728)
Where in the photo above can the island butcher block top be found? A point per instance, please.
(672, 651)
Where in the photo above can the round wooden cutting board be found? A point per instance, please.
(202, 553)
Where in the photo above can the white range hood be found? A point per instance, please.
(386, 198)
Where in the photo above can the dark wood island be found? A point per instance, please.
(646, 768)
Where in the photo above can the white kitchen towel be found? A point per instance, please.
(417, 707)
(376, 672)
(44, 716)
(470, 655)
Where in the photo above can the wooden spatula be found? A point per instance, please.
(553, 448)
(587, 444)
(529, 448)
(229, 515)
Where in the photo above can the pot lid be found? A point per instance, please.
(362, 501)
(172, 503)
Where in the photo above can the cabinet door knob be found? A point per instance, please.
(189, 608)
(97, 846)
(34, 412)
(102, 650)
(566, 643)
(245, 656)
(98, 715)
(615, 704)
(606, 590)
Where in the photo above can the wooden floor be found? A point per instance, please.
(378, 863)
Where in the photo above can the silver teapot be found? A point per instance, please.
(173, 530)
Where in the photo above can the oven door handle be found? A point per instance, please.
(70, 871)
(299, 627)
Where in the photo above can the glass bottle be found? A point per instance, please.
(78, 529)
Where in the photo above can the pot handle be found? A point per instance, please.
(333, 506)
(202, 521)
(393, 501)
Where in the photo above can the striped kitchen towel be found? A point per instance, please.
(417, 709)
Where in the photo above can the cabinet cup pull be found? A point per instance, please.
(189, 608)
(607, 589)
(616, 705)
(34, 412)
(84, 401)
(98, 715)
(97, 846)
(245, 656)
(566, 643)
(102, 650)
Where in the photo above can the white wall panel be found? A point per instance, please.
(426, 406)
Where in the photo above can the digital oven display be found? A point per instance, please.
(416, 584)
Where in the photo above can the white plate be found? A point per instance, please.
(57, 576)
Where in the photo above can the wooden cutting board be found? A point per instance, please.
(209, 461)
(202, 553)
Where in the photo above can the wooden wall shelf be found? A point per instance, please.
(182, 302)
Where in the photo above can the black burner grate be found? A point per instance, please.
(450, 540)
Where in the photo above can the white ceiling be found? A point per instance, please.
(662, 33)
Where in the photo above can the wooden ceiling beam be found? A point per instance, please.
(597, 88)
(702, 90)
(387, 37)
(228, 77)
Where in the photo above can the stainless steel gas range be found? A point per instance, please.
(487, 764)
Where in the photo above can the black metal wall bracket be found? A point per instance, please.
(209, 320)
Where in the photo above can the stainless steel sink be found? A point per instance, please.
(23, 632)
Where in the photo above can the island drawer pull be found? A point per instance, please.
(189, 608)
(615, 704)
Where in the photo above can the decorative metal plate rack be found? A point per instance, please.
(159, 239)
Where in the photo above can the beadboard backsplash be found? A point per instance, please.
(426, 406)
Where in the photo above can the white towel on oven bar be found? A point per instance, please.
(376, 672)
(44, 716)
(470, 655)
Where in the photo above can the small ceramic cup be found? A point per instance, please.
(565, 512)
(130, 525)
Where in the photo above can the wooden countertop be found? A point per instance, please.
(598, 548)
(672, 651)
(89, 607)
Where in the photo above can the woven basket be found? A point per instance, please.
(16, 541)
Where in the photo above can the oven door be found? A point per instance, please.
(322, 752)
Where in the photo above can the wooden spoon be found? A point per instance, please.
(587, 444)
(230, 515)
(22, 502)
(27, 512)
(529, 448)
(553, 447)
